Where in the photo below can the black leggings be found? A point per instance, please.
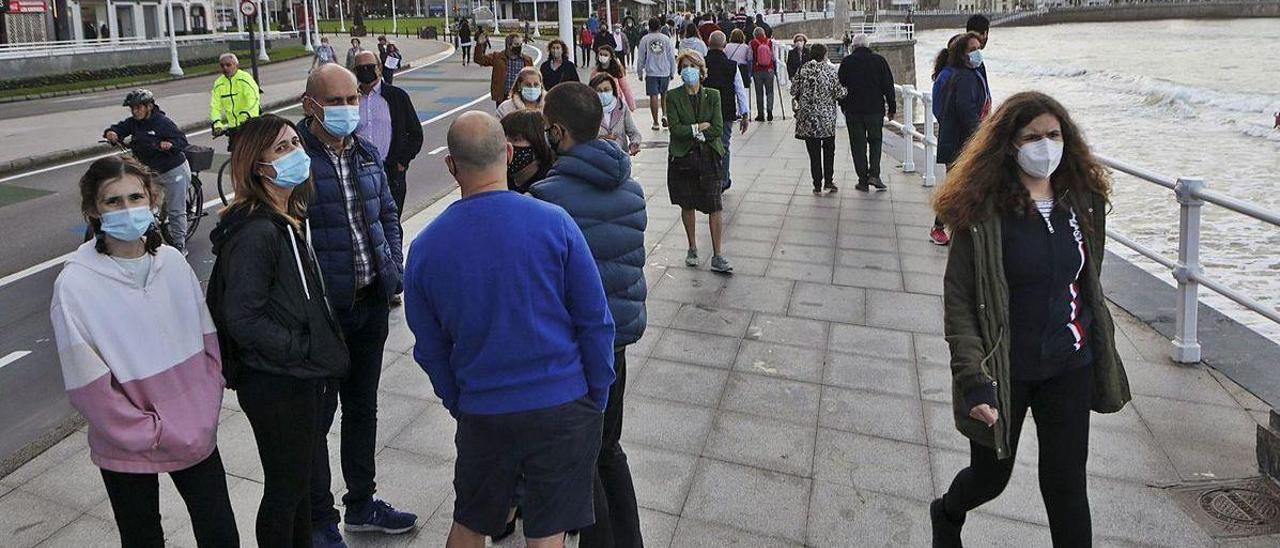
(135, 501)
(822, 158)
(284, 413)
(466, 54)
(1061, 410)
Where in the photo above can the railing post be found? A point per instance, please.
(1186, 347)
(908, 142)
(930, 152)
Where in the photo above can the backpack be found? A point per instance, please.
(764, 55)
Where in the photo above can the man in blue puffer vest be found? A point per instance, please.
(356, 237)
(592, 181)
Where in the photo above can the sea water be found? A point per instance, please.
(1183, 98)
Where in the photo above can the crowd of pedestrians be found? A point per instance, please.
(532, 366)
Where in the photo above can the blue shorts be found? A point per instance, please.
(656, 85)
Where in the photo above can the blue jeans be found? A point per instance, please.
(724, 162)
(175, 183)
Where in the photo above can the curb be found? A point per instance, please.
(50, 158)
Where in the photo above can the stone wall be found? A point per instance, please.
(900, 54)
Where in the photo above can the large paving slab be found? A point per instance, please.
(802, 401)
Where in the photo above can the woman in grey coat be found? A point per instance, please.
(616, 125)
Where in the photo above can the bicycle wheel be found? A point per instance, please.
(221, 171)
(195, 205)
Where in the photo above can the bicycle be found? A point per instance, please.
(198, 159)
(230, 135)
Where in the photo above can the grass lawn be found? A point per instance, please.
(277, 54)
(383, 25)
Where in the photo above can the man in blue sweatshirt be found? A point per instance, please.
(592, 181)
(512, 326)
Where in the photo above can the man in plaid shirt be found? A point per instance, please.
(355, 231)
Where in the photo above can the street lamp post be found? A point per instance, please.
(174, 68)
(536, 30)
(262, 36)
(306, 24)
(315, 20)
(342, 20)
(394, 23)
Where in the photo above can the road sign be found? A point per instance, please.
(248, 8)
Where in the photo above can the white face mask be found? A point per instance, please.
(1040, 158)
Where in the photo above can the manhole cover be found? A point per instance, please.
(1234, 509)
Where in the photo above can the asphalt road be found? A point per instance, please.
(42, 229)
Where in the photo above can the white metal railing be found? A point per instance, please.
(887, 32)
(775, 18)
(99, 45)
(910, 134)
(1191, 193)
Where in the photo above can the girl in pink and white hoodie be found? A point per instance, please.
(140, 361)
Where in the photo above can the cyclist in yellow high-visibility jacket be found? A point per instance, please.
(234, 98)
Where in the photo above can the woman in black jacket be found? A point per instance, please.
(557, 68)
(281, 344)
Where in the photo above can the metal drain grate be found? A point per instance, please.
(1234, 509)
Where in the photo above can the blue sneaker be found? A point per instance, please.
(377, 515)
(327, 537)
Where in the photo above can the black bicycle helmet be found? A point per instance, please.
(138, 97)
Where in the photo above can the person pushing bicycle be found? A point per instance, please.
(158, 143)
(233, 100)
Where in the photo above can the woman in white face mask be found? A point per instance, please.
(1026, 317)
(616, 125)
(526, 94)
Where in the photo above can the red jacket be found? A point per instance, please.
(584, 37)
(755, 46)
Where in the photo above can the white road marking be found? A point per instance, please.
(13, 357)
(437, 150)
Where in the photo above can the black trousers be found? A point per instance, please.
(1061, 409)
(866, 141)
(822, 159)
(466, 54)
(388, 75)
(365, 328)
(396, 180)
(135, 501)
(284, 413)
(617, 514)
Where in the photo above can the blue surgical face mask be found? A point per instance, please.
(690, 75)
(530, 93)
(975, 58)
(341, 120)
(127, 225)
(292, 169)
(606, 98)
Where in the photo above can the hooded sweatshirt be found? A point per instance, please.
(140, 362)
(592, 181)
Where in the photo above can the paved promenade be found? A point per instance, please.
(801, 402)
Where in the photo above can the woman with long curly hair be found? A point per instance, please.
(1025, 314)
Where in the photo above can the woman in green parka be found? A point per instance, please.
(1025, 315)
